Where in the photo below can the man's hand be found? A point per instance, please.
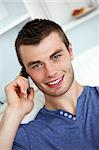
(17, 96)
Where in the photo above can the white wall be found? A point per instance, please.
(9, 66)
(84, 36)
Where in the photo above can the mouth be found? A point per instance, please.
(55, 83)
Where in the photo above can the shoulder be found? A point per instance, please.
(92, 97)
(92, 91)
(21, 139)
(96, 90)
(26, 134)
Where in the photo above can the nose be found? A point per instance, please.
(50, 70)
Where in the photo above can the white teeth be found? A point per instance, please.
(55, 82)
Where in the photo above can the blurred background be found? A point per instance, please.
(78, 18)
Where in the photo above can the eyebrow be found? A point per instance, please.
(57, 51)
(32, 63)
(38, 61)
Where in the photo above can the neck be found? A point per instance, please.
(67, 101)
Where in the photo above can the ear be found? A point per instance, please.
(71, 51)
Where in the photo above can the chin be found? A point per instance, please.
(55, 92)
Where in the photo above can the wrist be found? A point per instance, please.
(14, 112)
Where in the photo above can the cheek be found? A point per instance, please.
(66, 63)
(37, 76)
(66, 67)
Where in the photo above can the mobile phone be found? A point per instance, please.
(24, 74)
(30, 81)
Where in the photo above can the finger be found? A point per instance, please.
(23, 78)
(25, 83)
(31, 94)
(21, 86)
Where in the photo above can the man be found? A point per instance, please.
(69, 119)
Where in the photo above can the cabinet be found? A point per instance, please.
(15, 12)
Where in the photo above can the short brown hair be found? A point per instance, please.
(35, 31)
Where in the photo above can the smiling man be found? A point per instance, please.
(69, 119)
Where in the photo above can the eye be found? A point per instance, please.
(37, 66)
(56, 57)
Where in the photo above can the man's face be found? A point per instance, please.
(49, 65)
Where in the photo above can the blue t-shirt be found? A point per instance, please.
(60, 130)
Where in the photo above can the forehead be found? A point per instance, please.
(43, 50)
